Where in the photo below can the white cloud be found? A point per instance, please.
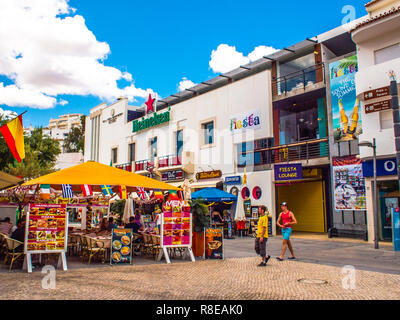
(226, 58)
(46, 55)
(7, 114)
(185, 83)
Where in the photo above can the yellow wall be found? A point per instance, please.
(306, 201)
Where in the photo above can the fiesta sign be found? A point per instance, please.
(250, 120)
(284, 172)
(154, 120)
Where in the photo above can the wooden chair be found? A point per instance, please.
(136, 246)
(83, 246)
(73, 245)
(147, 244)
(3, 246)
(11, 253)
(156, 240)
(95, 249)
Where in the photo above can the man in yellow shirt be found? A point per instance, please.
(262, 236)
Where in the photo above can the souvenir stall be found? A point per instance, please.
(47, 223)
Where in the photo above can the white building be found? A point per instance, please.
(60, 127)
(378, 51)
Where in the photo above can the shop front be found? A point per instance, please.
(306, 190)
(388, 194)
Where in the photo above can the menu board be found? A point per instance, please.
(121, 246)
(214, 243)
(176, 227)
(47, 227)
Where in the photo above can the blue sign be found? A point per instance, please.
(384, 167)
(284, 172)
(233, 180)
(396, 228)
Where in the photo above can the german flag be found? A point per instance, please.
(13, 133)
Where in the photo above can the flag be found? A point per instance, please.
(13, 133)
(44, 191)
(158, 194)
(122, 192)
(180, 195)
(142, 193)
(107, 191)
(67, 191)
(86, 190)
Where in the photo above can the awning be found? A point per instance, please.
(7, 180)
(97, 174)
(213, 194)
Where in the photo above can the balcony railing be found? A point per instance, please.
(169, 161)
(125, 166)
(299, 79)
(305, 150)
(144, 165)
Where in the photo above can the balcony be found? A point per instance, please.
(144, 166)
(301, 151)
(125, 166)
(298, 82)
(170, 161)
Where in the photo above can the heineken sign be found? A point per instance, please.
(153, 120)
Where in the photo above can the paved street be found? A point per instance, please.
(237, 277)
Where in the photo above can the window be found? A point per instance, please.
(114, 155)
(131, 152)
(153, 148)
(387, 54)
(179, 142)
(208, 128)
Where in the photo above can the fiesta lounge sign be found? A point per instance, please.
(250, 120)
(153, 120)
(284, 172)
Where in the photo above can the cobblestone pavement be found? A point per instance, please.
(236, 278)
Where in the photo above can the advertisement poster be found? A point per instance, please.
(345, 105)
(176, 224)
(349, 184)
(247, 207)
(121, 246)
(214, 243)
(46, 228)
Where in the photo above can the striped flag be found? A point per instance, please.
(13, 133)
(122, 192)
(107, 191)
(67, 191)
(86, 190)
(142, 193)
(44, 191)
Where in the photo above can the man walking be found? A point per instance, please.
(288, 219)
(262, 236)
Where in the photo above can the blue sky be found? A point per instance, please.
(160, 42)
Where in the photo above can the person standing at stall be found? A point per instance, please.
(262, 236)
(288, 219)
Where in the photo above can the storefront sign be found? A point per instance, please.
(233, 180)
(208, 174)
(121, 246)
(214, 243)
(377, 106)
(172, 175)
(113, 117)
(345, 104)
(384, 167)
(246, 121)
(377, 93)
(46, 230)
(151, 121)
(349, 184)
(285, 172)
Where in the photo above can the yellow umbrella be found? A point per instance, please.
(96, 174)
(7, 180)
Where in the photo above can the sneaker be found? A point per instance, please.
(266, 260)
(262, 264)
(279, 259)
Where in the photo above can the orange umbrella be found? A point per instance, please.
(97, 174)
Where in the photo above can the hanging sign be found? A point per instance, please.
(208, 174)
(376, 93)
(121, 246)
(378, 106)
(214, 243)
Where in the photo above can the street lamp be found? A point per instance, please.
(375, 192)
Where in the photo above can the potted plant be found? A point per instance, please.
(200, 221)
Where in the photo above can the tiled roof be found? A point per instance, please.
(378, 17)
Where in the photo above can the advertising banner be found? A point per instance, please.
(349, 184)
(121, 246)
(214, 248)
(345, 105)
(176, 227)
(285, 172)
(250, 120)
(46, 228)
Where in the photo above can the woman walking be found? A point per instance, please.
(288, 219)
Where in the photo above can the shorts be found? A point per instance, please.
(286, 233)
(261, 248)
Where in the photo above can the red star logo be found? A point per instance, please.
(149, 103)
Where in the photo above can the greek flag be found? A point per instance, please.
(67, 191)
